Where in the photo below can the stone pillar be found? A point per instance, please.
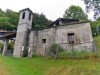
(5, 46)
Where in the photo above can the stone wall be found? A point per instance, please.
(42, 39)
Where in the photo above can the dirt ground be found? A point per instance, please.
(3, 70)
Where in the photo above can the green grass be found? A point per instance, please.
(97, 41)
(42, 66)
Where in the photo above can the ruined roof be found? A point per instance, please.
(61, 21)
(7, 34)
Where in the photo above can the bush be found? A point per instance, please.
(55, 49)
(1, 47)
(10, 46)
(77, 54)
(59, 52)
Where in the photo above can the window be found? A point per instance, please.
(29, 16)
(44, 40)
(71, 38)
(23, 15)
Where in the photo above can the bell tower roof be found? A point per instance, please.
(25, 10)
(26, 16)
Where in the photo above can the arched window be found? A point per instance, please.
(29, 16)
(23, 15)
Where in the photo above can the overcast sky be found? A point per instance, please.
(53, 9)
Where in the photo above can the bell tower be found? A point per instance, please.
(24, 26)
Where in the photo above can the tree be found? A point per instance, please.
(2, 14)
(93, 5)
(98, 19)
(95, 25)
(9, 20)
(13, 17)
(75, 12)
(40, 21)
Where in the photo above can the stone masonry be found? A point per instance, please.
(83, 39)
(37, 42)
(24, 25)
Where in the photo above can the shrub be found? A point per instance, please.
(1, 47)
(59, 52)
(10, 46)
(55, 49)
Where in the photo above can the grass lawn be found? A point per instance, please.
(97, 41)
(42, 66)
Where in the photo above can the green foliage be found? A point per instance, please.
(9, 20)
(2, 14)
(76, 53)
(93, 5)
(83, 54)
(40, 21)
(10, 46)
(59, 52)
(13, 17)
(1, 45)
(75, 12)
(55, 48)
(97, 41)
(41, 66)
(95, 25)
(98, 19)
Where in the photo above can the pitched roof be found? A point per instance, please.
(63, 21)
(26, 9)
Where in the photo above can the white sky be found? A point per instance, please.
(53, 9)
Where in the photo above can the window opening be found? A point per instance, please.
(29, 16)
(23, 15)
(71, 38)
(44, 40)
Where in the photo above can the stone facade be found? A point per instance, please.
(77, 36)
(83, 39)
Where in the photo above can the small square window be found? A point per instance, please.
(43, 40)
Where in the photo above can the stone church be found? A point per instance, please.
(68, 33)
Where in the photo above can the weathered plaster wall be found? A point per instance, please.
(47, 34)
(59, 35)
(21, 41)
(83, 36)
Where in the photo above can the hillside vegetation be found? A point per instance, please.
(9, 20)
